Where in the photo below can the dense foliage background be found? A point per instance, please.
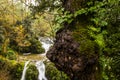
(97, 22)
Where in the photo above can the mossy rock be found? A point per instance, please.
(53, 73)
(87, 45)
(32, 73)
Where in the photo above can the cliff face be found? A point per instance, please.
(66, 55)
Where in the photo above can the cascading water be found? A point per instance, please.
(46, 43)
(24, 70)
(41, 69)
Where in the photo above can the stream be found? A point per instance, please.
(24, 70)
(41, 69)
(46, 43)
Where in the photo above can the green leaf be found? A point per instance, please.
(79, 12)
(70, 20)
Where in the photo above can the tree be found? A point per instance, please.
(84, 45)
(7, 20)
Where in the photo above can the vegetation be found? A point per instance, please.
(10, 69)
(52, 73)
(32, 73)
(18, 29)
(95, 26)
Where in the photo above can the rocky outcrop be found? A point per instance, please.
(67, 57)
(74, 51)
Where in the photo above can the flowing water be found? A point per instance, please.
(41, 69)
(46, 43)
(24, 70)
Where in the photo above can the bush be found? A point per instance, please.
(3, 63)
(11, 55)
(16, 71)
(53, 73)
(32, 73)
(5, 67)
(36, 46)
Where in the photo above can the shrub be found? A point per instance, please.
(53, 73)
(32, 73)
(16, 71)
(11, 55)
(4, 69)
(36, 46)
(3, 63)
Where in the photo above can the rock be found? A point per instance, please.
(25, 54)
(67, 57)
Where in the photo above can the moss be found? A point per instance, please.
(35, 47)
(32, 73)
(12, 69)
(16, 71)
(87, 46)
(53, 73)
(4, 69)
(10, 54)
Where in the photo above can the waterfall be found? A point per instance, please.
(24, 70)
(41, 69)
(46, 43)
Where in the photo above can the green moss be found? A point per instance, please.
(3, 63)
(87, 45)
(32, 73)
(16, 71)
(53, 73)
(12, 55)
(12, 68)
(36, 46)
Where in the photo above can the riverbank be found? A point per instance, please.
(12, 69)
(22, 58)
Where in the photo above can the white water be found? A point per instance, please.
(46, 43)
(24, 70)
(41, 69)
(46, 46)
